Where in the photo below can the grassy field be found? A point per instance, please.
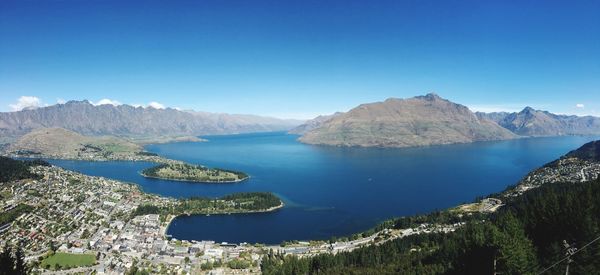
(67, 260)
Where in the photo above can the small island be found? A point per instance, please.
(193, 173)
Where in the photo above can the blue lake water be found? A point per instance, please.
(331, 191)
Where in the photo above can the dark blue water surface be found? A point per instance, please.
(331, 191)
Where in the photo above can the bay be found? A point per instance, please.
(333, 191)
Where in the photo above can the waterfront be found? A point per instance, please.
(331, 191)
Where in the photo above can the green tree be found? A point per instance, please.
(516, 254)
(6, 261)
(19, 259)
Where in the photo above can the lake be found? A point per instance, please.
(332, 191)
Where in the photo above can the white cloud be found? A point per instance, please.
(26, 102)
(106, 101)
(156, 105)
(152, 104)
(60, 101)
(581, 106)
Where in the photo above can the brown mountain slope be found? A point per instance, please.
(62, 142)
(419, 121)
(312, 124)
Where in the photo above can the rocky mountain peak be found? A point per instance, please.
(125, 120)
(430, 97)
(528, 110)
(78, 102)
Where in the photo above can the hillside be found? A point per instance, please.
(589, 151)
(417, 121)
(494, 116)
(64, 143)
(137, 122)
(313, 124)
(531, 122)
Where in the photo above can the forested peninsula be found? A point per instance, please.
(193, 173)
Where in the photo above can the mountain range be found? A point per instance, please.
(135, 122)
(535, 123)
(430, 120)
(418, 121)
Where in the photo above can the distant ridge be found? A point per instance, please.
(128, 121)
(531, 122)
(418, 121)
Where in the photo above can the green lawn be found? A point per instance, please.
(67, 260)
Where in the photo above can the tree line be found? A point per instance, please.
(12, 261)
(249, 201)
(11, 169)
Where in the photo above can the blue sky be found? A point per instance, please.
(298, 59)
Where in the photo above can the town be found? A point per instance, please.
(562, 170)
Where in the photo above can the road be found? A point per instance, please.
(79, 270)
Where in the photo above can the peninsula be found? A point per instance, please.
(193, 173)
(250, 202)
(59, 143)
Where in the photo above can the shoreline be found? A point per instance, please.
(166, 228)
(158, 160)
(162, 161)
(173, 217)
(194, 181)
